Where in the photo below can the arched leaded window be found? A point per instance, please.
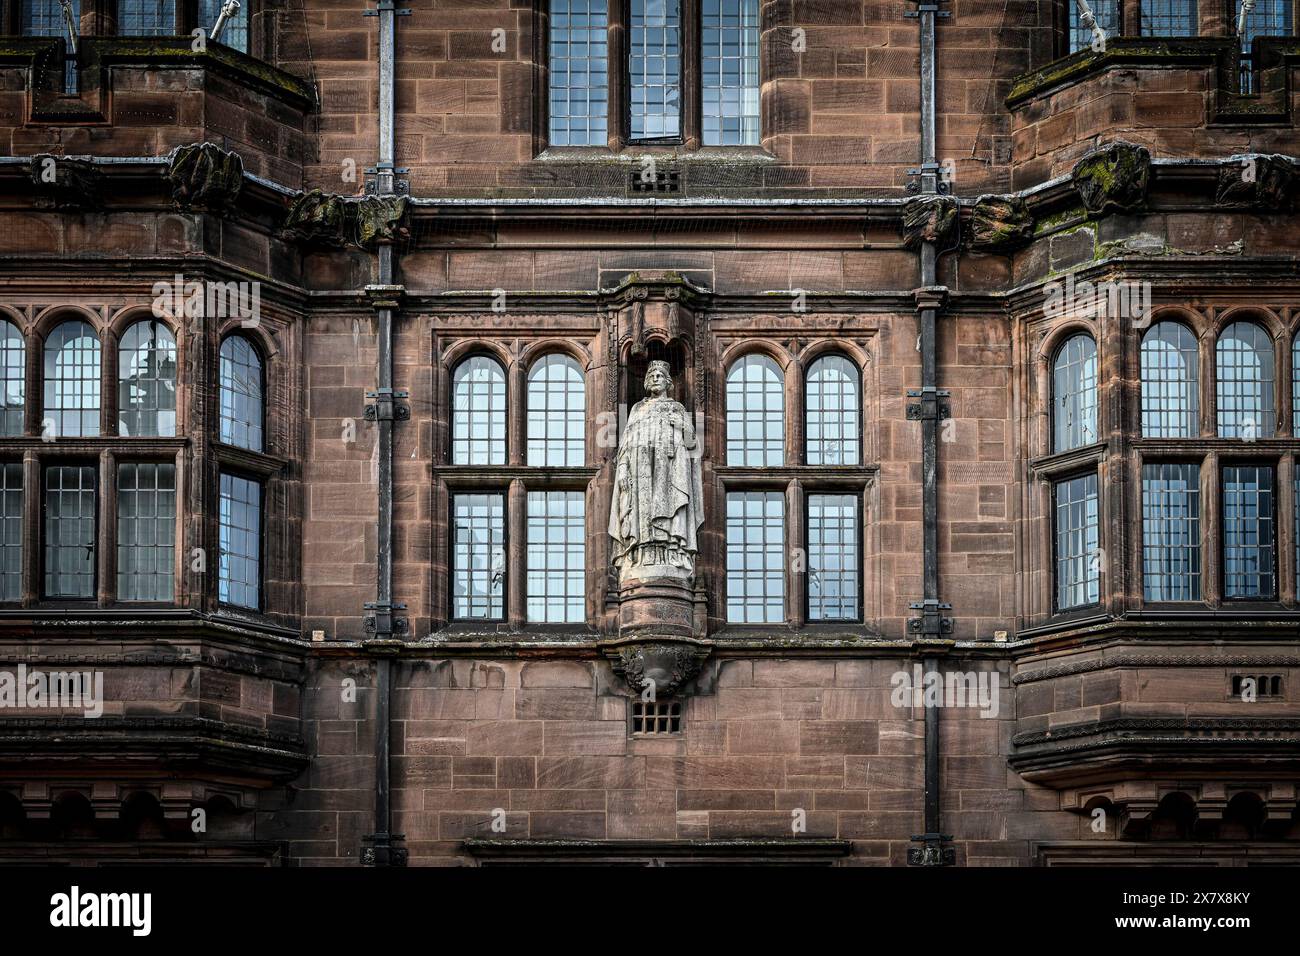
(478, 412)
(1074, 394)
(1170, 382)
(755, 412)
(1244, 382)
(13, 373)
(242, 385)
(834, 426)
(557, 412)
(146, 381)
(72, 381)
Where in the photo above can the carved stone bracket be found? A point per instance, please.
(65, 183)
(1113, 178)
(1000, 222)
(929, 219)
(666, 665)
(205, 176)
(1262, 180)
(326, 219)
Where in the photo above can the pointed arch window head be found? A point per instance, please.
(1074, 394)
(13, 373)
(557, 413)
(755, 413)
(1244, 382)
(1170, 382)
(241, 387)
(72, 361)
(478, 412)
(146, 381)
(833, 400)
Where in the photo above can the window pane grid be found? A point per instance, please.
(146, 531)
(557, 413)
(833, 429)
(1244, 367)
(1168, 18)
(556, 557)
(655, 68)
(11, 531)
(478, 557)
(240, 577)
(70, 532)
(833, 571)
(1170, 382)
(579, 72)
(729, 61)
(44, 18)
(146, 18)
(1107, 14)
(756, 557)
(1074, 393)
(72, 381)
(1266, 18)
(146, 381)
(1171, 532)
(1295, 386)
(241, 394)
(1078, 565)
(235, 33)
(755, 413)
(478, 425)
(1248, 532)
(13, 370)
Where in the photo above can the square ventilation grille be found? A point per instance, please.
(1256, 686)
(656, 718)
(661, 180)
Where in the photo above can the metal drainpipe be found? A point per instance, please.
(386, 410)
(931, 625)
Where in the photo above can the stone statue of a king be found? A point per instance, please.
(656, 510)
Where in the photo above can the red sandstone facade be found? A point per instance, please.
(511, 739)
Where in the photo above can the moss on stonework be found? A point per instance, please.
(1119, 50)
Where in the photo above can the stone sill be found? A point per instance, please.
(781, 848)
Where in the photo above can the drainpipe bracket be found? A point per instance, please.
(385, 296)
(387, 406)
(930, 297)
(931, 623)
(941, 185)
(926, 8)
(932, 851)
(383, 623)
(933, 405)
(383, 850)
(383, 6)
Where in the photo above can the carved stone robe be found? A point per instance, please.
(656, 510)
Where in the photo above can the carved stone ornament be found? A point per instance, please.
(1000, 222)
(1262, 180)
(1113, 178)
(205, 176)
(929, 219)
(325, 219)
(666, 667)
(65, 183)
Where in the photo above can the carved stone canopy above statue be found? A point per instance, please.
(655, 306)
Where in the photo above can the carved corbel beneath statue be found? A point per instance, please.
(664, 667)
